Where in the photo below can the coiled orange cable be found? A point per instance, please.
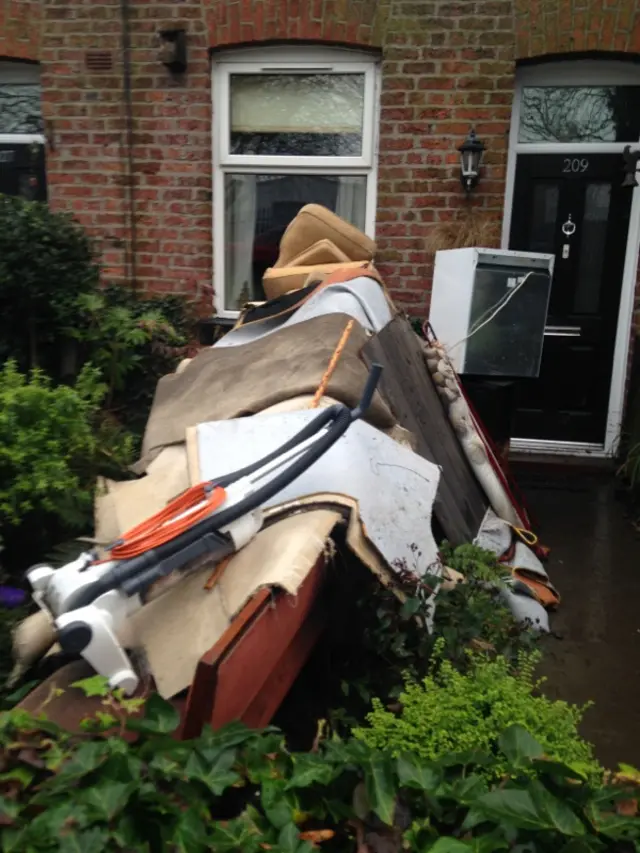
(170, 522)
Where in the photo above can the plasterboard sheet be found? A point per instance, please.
(395, 488)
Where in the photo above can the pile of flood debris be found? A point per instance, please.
(320, 413)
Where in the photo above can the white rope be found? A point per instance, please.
(493, 312)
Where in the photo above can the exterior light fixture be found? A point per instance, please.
(471, 153)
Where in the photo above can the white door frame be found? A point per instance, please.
(582, 73)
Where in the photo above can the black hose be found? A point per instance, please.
(127, 569)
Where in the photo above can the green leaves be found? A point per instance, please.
(414, 773)
(519, 746)
(237, 789)
(215, 773)
(533, 809)
(309, 769)
(160, 717)
(380, 786)
(97, 685)
(107, 799)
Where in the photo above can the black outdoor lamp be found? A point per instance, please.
(471, 152)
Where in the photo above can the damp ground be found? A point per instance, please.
(595, 564)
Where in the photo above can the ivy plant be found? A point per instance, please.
(237, 789)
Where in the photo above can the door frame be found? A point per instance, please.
(582, 73)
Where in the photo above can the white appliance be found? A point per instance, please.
(489, 309)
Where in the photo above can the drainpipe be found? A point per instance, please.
(132, 252)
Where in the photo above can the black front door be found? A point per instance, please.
(575, 208)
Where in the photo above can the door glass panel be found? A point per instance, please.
(542, 232)
(592, 248)
(580, 114)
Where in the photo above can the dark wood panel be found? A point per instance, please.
(247, 673)
(409, 391)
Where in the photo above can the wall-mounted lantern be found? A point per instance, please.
(630, 164)
(173, 50)
(471, 153)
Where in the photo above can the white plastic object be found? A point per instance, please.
(107, 620)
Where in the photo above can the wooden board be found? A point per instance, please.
(409, 390)
(248, 672)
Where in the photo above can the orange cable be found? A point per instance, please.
(322, 387)
(166, 524)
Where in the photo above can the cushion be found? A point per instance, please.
(314, 223)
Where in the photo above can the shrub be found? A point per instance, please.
(381, 641)
(46, 262)
(53, 443)
(237, 789)
(454, 712)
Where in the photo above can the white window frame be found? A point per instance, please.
(17, 72)
(288, 60)
(588, 72)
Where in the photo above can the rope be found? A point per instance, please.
(175, 518)
(322, 387)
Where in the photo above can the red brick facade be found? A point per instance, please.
(139, 174)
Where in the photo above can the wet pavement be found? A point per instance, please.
(595, 564)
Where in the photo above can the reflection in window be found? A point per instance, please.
(20, 108)
(258, 208)
(542, 232)
(302, 115)
(580, 114)
(592, 248)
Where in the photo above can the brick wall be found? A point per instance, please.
(155, 229)
(565, 26)
(448, 66)
(20, 29)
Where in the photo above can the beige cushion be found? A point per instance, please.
(314, 223)
(322, 252)
(277, 282)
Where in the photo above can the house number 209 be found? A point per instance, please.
(575, 164)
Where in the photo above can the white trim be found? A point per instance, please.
(572, 148)
(367, 70)
(582, 73)
(288, 60)
(623, 331)
(22, 138)
(274, 56)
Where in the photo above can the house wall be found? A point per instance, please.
(20, 28)
(140, 177)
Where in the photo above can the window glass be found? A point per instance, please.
(303, 115)
(544, 215)
(592, 247)
(580, 114)
(20, 108)
(258, 208)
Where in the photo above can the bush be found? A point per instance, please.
(53, 443)
(237, 789)
(378, 643)
(46, 262)
(134, 339)
(454, 712)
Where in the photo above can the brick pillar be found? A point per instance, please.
(448, 66)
